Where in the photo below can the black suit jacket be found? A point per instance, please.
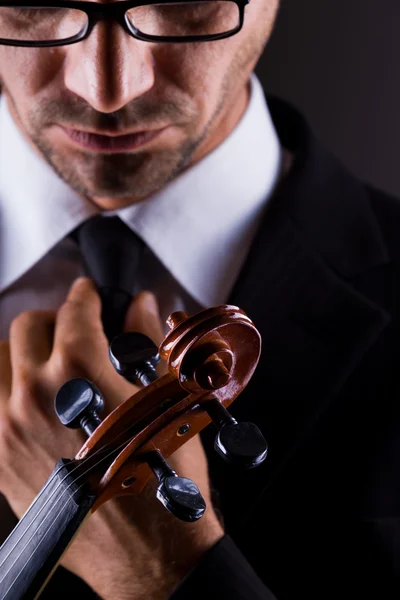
(320, 518)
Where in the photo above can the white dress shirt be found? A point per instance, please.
(198, 229)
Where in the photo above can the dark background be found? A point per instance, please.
(339, 62)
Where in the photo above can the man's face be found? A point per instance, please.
(180, 100)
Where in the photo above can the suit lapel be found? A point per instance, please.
(318, 234)
(315, 329)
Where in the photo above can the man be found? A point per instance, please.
(178, 140)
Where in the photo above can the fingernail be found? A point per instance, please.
(80, 280)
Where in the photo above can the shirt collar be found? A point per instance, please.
(200, 226)
(37, 209)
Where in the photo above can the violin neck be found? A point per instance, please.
(32, 551)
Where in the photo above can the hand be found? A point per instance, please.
(131, 547)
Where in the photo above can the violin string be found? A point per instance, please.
(49, 481)
(115, 450)
(58, 499)
(28, 510)
(102, 448)
(34, 502)
(44, 488)
(36, 548)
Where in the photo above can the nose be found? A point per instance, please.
(110, 68)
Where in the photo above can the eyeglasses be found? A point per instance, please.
(25, 23)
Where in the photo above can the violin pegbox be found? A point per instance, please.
(210, 356)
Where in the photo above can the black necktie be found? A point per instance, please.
(111, 253)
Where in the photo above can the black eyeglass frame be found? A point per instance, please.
(116, 12)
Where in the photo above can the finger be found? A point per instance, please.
(78, 322)
(143, 316)
(81, 348)
(5, 372)
(31, 340)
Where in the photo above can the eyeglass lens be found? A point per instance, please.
(172, 19)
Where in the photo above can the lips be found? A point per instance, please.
(106, 143)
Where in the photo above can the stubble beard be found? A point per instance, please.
(122, 176)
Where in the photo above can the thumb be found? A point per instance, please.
(143, 316)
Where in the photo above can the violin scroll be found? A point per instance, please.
(211, 357)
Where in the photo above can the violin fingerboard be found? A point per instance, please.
(32, 551)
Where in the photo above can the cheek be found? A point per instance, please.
(195, 69)
(259, 19)
(197, 63)
(29, 70)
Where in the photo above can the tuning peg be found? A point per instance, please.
(78, 403)
(179, 495)
(240, 444)
(135, 357)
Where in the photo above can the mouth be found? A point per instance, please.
(110, 143)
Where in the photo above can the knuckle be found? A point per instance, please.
(73, 345)
(70, 312)
(21, 321)
(31, 399)
(76, 333)
(27, 319)
(66, 364)
(66, 308)
(79, 315)
(24, 379)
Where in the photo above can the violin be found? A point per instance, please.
(210, 357)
